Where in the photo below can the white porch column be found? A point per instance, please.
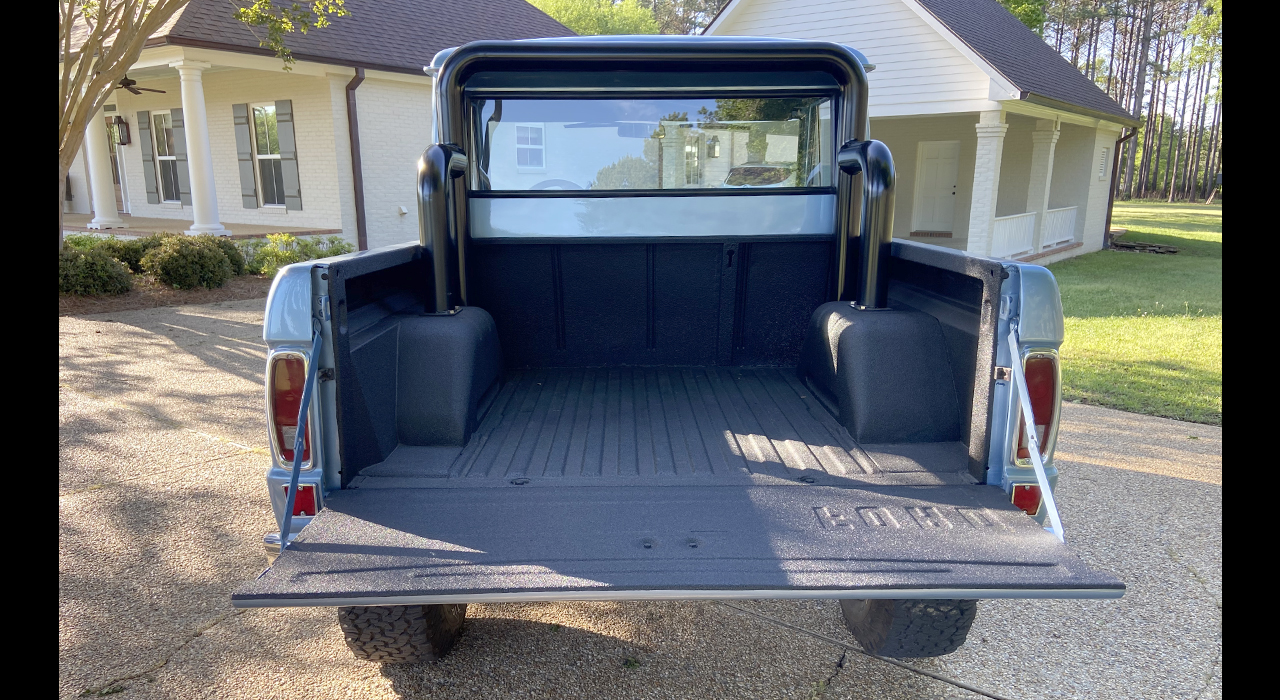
(204, 198)
(986, 181)
(1043, 143)
(102, 187)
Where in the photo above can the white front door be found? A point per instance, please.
(937, 170)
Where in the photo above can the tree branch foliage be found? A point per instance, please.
(1032, 13)
(596, 17)
(280, 19)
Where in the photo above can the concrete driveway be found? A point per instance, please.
(162, 507)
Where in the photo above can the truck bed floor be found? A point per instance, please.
(641, 425)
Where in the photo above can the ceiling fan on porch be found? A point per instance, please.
(129, 85)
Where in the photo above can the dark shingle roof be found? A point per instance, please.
(393, 35)
(1021, 56)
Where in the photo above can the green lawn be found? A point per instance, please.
(1144, 331)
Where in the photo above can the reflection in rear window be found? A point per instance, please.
(667, 144)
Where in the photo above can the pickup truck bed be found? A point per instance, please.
(667, 483)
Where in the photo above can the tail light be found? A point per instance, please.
(287, 374)
(305, 502)
(1043, 384)
(1025, 496)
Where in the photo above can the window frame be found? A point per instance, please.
(482, 186)
(158, 137)
(259, 157)
(541, 147)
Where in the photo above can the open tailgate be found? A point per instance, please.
(539, 541)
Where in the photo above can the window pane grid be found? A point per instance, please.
(267, 152)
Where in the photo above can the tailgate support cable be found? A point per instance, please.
(1024, 397)
(313, 365)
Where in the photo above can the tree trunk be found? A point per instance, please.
(1177, 160)
(1211, 167)
(1154, 169)
(1111, 73)
(1139, 88)
(1169, 172)
(1193, 151)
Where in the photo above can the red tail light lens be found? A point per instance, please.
(1025, 496)
(1042, 383)
(305, 502)
(288, 374)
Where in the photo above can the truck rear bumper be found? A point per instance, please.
(540, 541)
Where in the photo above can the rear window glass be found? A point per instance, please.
(662, 144)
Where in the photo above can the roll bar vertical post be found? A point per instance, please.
(873, 160)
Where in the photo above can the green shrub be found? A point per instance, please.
(266, 257)
(153, 241)
(326, 247)
(82, 241)
(92, 273)
(281, 249)
(127, 251)
(187, 262)
(249, 249)
(230, 250)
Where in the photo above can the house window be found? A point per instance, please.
(1102, 165)
(530, 148)
(266, 146)
(166, 158)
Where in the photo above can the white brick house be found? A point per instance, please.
(235, 139)
(1001, 147)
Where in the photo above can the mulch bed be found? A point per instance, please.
(149, 294)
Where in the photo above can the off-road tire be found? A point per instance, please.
(909, 629)
(398, 634)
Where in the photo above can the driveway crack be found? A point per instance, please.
(821, 687)
(849, 647)
(114, 685)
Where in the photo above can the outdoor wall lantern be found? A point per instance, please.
(713, 147)
(122, 131)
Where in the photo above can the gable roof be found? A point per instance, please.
(1021, 56)
(392, 35)
(1013, 51)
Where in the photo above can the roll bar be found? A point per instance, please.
(442, 213)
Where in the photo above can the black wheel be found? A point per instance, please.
(909, 629)
(401, 633)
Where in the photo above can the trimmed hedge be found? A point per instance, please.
(266, 257)
(92, 273)
(230, 250)
(129, 251)
(184, 262)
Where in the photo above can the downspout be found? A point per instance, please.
(357, 173)
(1111, 200)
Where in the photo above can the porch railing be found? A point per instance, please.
(1013, 235)
(1059, 227)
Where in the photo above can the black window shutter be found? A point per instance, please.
(288, 155)
(244, 156)
(148, 158)
(180, 151)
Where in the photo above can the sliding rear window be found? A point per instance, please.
(626, 145)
